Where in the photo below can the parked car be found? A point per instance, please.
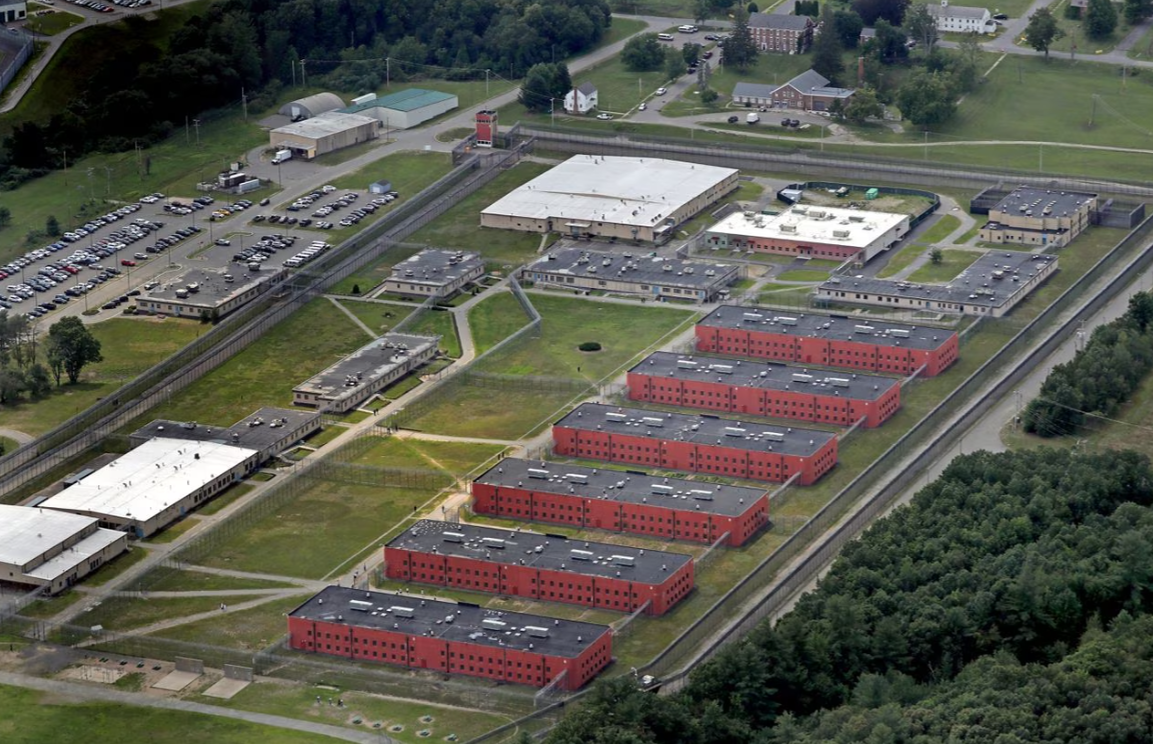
(734, 119)
(603, 116)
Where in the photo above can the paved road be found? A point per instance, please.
(96, 693)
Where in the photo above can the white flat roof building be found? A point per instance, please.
(622, 197)
(817, 232)
(159, 481)
(55, 549)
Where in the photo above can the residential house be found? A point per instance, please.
(581, 99)
(962, 19)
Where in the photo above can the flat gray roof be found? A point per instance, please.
(212, 289)
(325, 124)
(366, 364)
(248, 433)
(27, 532)
(778, 20)
(436, 267)
(703, 429)
(764, 375)
(546, 552)
(469, 623)
(991, 281)
(873, 331)
(79, 553)
(1026, 199)
(627, 486)
(635, 267)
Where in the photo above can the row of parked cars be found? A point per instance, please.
(164, 243)
(309, 254)
(263, 249)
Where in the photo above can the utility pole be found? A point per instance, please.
(387, 71)
(292, 64)
(486, 84)
(244, 103)
(65, 149)
(196, 125)
(187, 132)
(303, 77)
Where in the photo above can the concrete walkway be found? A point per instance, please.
(352, 316)
(17, 436)
(77, 692)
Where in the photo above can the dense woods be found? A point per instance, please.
(1010, 597)
(145, 85)
(1106, 371)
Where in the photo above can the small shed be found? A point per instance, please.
(380, 187)
(872, 193)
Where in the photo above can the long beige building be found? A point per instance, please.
(1041, 217)
(42, 547)
(612, 197)
(326, 132)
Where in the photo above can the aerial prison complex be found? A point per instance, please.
(657, 277)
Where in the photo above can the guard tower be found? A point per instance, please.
(486, 128)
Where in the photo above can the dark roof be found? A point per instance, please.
(764, 375)
(662, 270)
(1059, 203)
(544, 552)
(436, 267)
(274, 422)
(703, 429)
(587, 88)
(753, 90)
(367, 364)
(778, 20)
(812, 82)
(993, 280)
(469, 623)
(832, 327)
(628, 486)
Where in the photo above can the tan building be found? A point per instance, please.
(612, 197)
(1041, 217)
(211, 293)
(661, 278)
(434, 273)
(42, 547)
(365, 372)
(323, 133)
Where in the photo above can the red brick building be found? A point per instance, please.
(449, 637)
(698, 444)
(764, 389)
(828, 341)
(544, 567)
(619, 501)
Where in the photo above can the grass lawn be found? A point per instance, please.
(173, 580)
(225, 498)
(264, 374)
(803, 275)
(380, 318)
(952, 263)
(125, 613)
(42, 608)
(459, 227)
(8, 445)
(368, 277)
(901, 259)
(52, 22)
(969, 234)
(30, 717)
(1143, 49)
(439, 323)
(495, 319)
(117, 566)
(173, 531)
(129, 347)
(456, 459)
(409, 172)
(248, 630)
(941, 229)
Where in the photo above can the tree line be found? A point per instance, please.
(29, 365)
(1100, 378)
(148, 85)
(1008, 586)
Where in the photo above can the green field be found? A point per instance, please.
(456, 459)
(409, 172)
(495, 319)
(264, 374)
(952, 263)
(126, 613)
(459, 227)
(52, 22)
(803, 275)
(248, 630)
(29, 717)
(382, 318)
(129, 347)
(941, 229)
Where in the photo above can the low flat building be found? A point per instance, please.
(158, 482)
(434, 273)
(269, 430)
(52, 549)
(449, 637)
(365, 372)
(310, 106)
(628, 501)
(867, 344)
(326, 132)
(613, 197)
(657, 277)
(550, 568)
(828, 233)
(764, 389)
(992, 286)
(406, 109)
(209, 293)
(695, 443)
(1041, 217)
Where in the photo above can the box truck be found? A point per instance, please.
(281, 156)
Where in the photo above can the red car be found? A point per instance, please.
(126, 262)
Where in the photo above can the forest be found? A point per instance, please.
(1007, 602)
(146, 86)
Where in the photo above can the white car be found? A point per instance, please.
(604, 117)
(662, 91)
(642, 107)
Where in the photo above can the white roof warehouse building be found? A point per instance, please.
(53, 549)
(154, 484)
(406, 109)
(326, 132)
(612, 197)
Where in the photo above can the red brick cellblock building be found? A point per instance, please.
(764, 389)
(545, 567)
(621, 501)
(696, 443)
(870, 345)
(449, 637)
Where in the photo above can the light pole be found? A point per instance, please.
(552, 112)
(196, 126)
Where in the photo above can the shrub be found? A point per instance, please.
(590, 346)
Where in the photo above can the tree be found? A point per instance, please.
(1100, 19)
(702, 9)
(52, 226)
(927, 98)
(544, 83)
(75, 346)
(849, 26)
(863, 105)
(1042, 31)
(5, 216)
(691, 53)
(752, 8)
(922, 26)
(740, 49)
(827, 48)
(674, 63)
(39, 383)
(12, 384)
(964, 65)
(889, 43)
(872, 11)
(643, 53)
(936, 256)
(1136, 11)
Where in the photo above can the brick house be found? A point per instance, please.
(777, 32)
(809, 91)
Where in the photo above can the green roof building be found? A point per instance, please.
(406, 109)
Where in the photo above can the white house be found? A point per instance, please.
(962, 19)
(581, 99)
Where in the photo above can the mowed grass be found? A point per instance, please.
(128, 613)
(30, 717)
(248, 630)
(408, 172)
(129, 347)
(364, 280)
(174, 580)
(803, 275)
(952, 263)
(379, 317)
(264, 374)
(939, 230)
(52, 22)
(459, 227)
(455, 459)
(901, 259)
